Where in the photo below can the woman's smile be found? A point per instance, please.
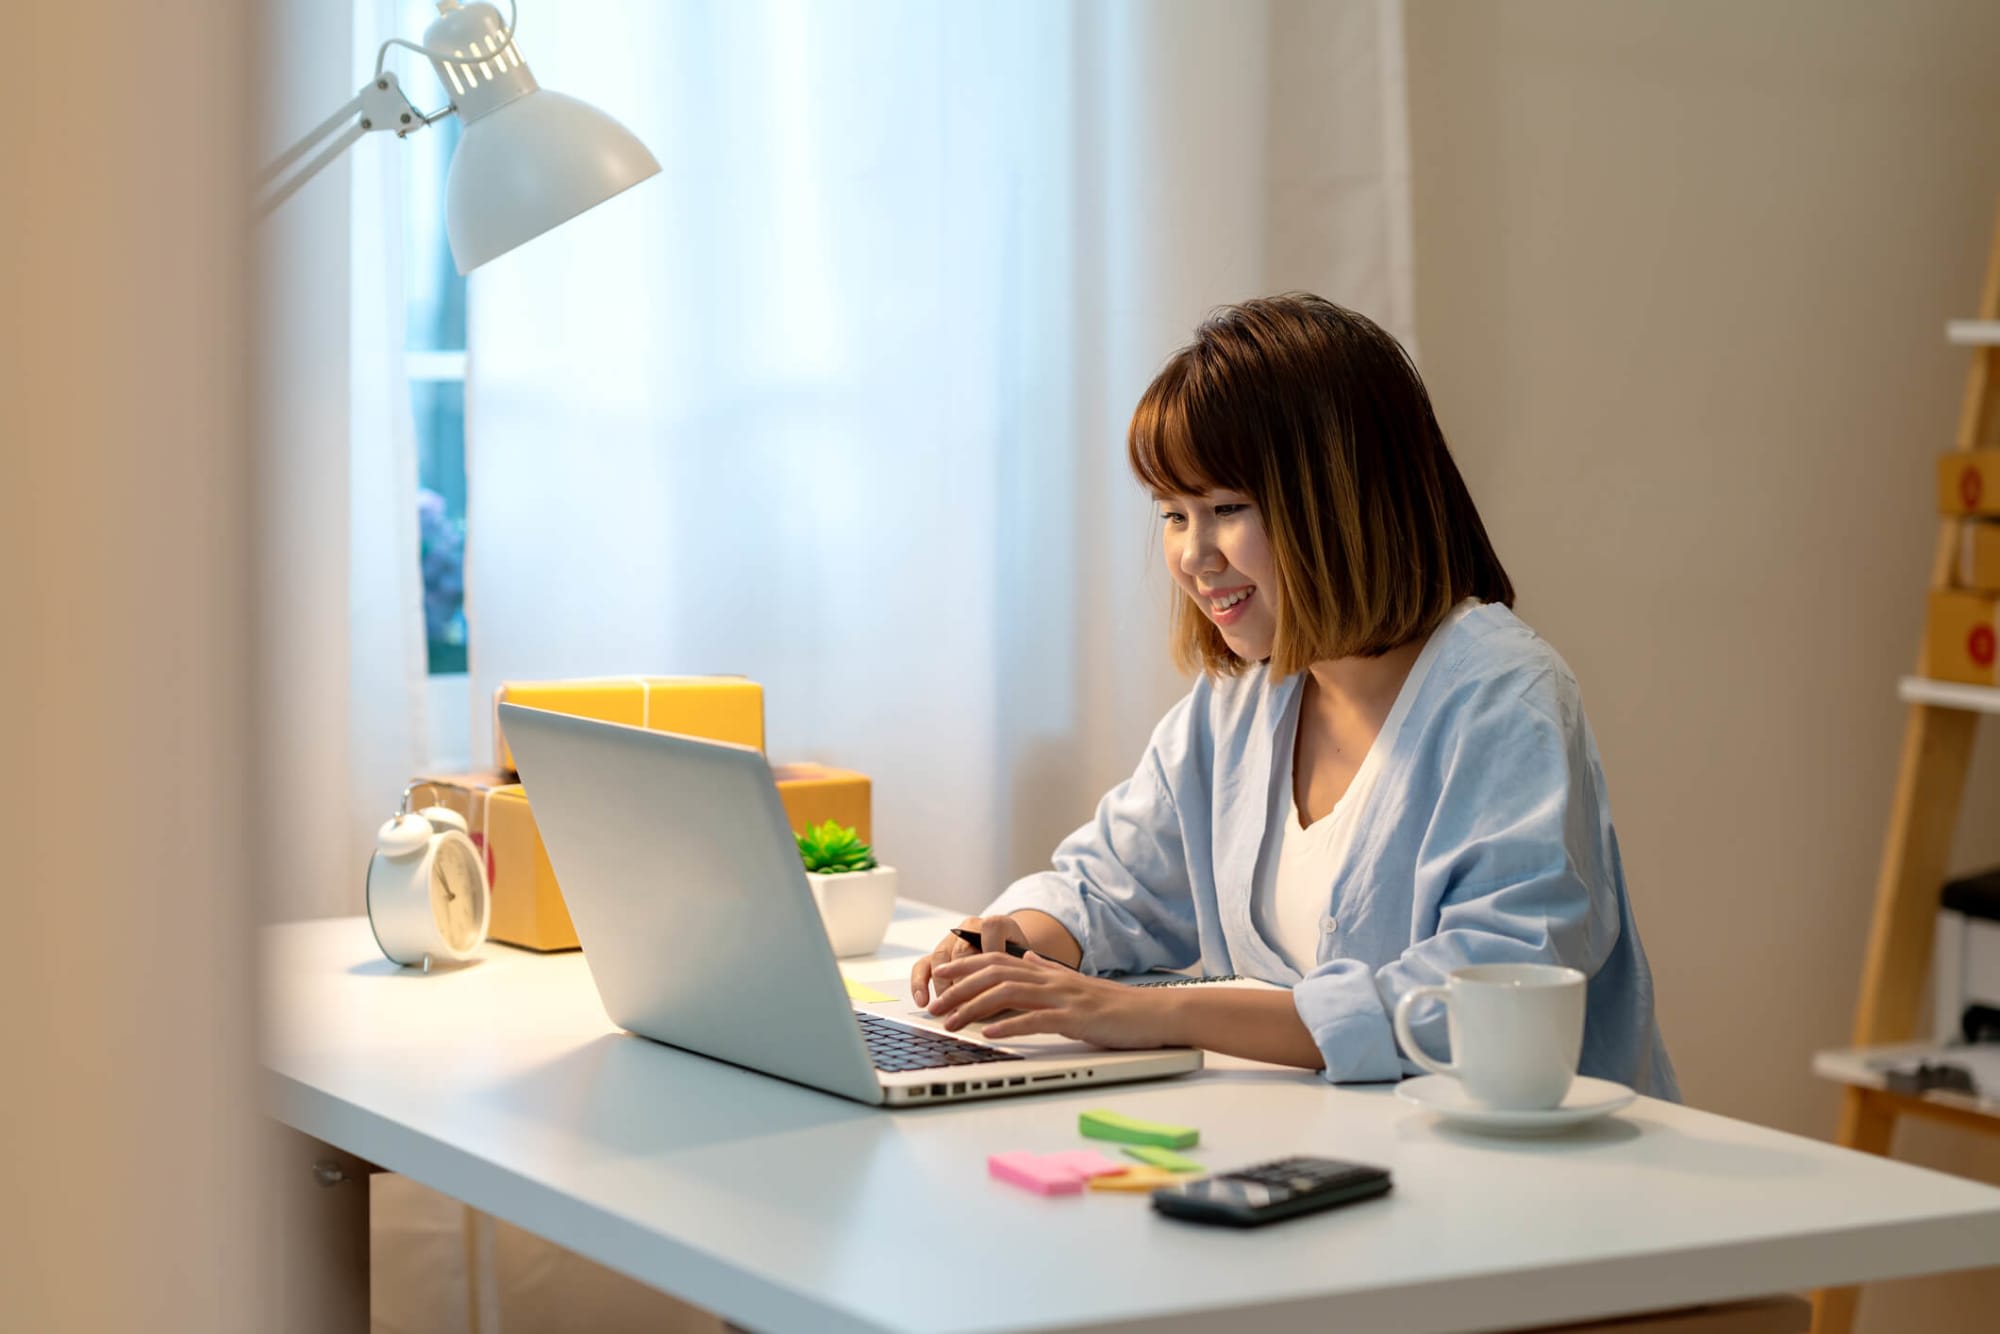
(1230, 605)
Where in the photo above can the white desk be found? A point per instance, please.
(782, 1208)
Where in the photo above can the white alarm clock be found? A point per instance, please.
(427, 892)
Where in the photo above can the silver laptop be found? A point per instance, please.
(690, 900)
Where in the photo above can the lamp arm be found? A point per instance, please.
(305, 145)
(380, 105)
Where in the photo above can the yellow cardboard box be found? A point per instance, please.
(814, 794)
(1959, 644)
(528, 908)
(718, 708)
(527, 905)
(1979, 556)
(1968, 482)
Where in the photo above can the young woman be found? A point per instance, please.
(1380, 775)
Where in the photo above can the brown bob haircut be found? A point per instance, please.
(1320, 419)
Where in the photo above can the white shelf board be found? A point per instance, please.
(1864, 1067)
(1950, 694)
(1973, 333)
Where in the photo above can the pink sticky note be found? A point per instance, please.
(1034, 1172)
(1086, 1163)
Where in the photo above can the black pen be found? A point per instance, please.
(972, 938)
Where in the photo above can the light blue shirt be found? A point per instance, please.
(1486, 839)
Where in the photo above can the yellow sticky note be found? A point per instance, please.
(1139, 1178)
(866, 995)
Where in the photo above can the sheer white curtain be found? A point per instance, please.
(388, 660)
(838, 401)
(340, 589)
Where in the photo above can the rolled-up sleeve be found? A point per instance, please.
(1509, 869)
(1120, 884)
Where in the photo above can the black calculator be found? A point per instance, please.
(1281, 1188)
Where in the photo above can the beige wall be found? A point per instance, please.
(125, 994)
(1682, 273)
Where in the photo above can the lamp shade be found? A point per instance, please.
(531, 164)
(528, 159)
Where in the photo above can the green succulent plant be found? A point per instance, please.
(831, 849)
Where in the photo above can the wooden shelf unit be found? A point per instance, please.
(1938, 734)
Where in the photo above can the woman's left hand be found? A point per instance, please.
(1050, 999)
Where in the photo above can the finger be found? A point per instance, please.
(963, 965)
(951, 947)
(994, 933)
(1012, 995)
(961, 980)
(974, 927)
(1053, 1020)
(967, 979)
(955, 970)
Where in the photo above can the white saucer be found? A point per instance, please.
(1587, 1100)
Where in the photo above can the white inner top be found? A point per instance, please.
(1293, 907)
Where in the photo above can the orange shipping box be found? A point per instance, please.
(1979, 556)
(1968, 482)
(1960, 641)
(528, 909)
(814, 794)
(718, 708)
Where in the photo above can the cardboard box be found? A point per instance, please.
(814, 794)
(528, 908)
(1979, 556)
(1959, 641)
(1968, 482)
(718, 708)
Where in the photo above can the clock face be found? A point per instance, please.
(458, 894)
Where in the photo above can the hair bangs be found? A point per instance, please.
(1166, 446)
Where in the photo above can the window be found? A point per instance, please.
(435, 359)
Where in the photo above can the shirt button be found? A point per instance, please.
(1328, 925)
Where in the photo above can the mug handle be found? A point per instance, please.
(1409, 1042)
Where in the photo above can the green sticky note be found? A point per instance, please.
(1131, 1130)
(1156, 1156)
(866, 995)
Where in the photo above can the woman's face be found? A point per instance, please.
(1217, 551)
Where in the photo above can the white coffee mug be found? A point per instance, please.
(1516, 1032)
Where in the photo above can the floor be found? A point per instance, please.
(435, 1272)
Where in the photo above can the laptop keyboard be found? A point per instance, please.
(894, 1047)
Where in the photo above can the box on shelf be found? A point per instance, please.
(1959, 638)
(1979, 557)
(1968, 482)
(528, 908)
(718, 708)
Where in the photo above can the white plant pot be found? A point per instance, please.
(855, 906)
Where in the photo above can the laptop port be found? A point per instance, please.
(937, 1090)
(1043, 1079)
(1015, 1083)
(958, 1087)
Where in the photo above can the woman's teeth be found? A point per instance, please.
(1226, 603)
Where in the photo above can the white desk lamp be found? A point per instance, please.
(527, 160)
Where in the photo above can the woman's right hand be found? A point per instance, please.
(993, 933)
